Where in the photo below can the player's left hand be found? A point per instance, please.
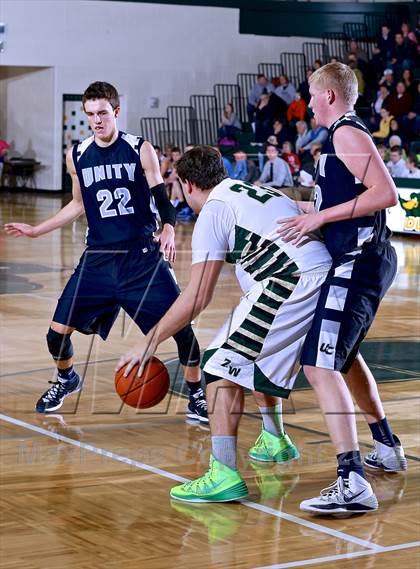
(140, 354)
(293, 229)
(166, 238)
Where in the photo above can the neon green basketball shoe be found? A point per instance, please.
(269, 448)
(219, 484)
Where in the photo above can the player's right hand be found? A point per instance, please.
(20, 230)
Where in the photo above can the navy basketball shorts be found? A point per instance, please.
(133, 276)
(347, 306)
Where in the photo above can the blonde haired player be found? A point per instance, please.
(353, 188)
(259, 346)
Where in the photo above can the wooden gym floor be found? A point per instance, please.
(87, 487)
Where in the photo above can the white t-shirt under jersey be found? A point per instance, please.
(238, 223)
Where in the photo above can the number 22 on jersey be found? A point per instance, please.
(121, 194)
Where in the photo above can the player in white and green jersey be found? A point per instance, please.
(259, 346)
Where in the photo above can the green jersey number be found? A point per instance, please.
(262, 194)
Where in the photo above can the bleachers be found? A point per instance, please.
(198, 122)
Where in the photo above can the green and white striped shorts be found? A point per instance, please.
(259, 345)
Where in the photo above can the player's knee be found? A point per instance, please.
(188, 347)
(59, 345)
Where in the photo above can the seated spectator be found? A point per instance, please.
(404, 53)
(290, 157)
(396, 165)
(407, 33)
(228, 166)
(383, 132)
(318, 134)
(317, 64)
(355, 49)
(377, 106)
(383, 151)
(410, 85)
(280, 131)
(264, 116)
(308, 173)
(169, 175)
(387, 79)
(302, 131)
(297, 109)
(261, 86)
(411, 121)
(4, 147)
(286, 91)
(412, 165)
(304, 87)
(158, 151)
(395, 140)
(395, 130)
(276, 172)
(359, 75)
(399, 103)
(244, 169)
(230, 124)
(308, 158)
(382, 53)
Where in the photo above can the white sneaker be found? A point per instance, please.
(351, 495)
(389, 459)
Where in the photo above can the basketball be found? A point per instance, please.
(146, 390)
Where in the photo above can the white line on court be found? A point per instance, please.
(317, 560)
(289, 517)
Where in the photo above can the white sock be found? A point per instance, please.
(223, 449)
(273, 419)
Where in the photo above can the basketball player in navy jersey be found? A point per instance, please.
(352, 191)
(114, 178)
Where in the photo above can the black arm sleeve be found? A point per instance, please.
(166, 210)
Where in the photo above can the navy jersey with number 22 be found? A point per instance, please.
(114, 189)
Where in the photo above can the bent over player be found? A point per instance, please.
(114, 178)
(353, 189)
(259, 346)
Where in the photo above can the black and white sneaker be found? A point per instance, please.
(54, 396)
(197, 407)
(389, 459)
(352, 495)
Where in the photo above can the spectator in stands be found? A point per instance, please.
(261, 86)
(400, 101)
(228, 166)
(158, 151)
(308, 172)
(302, 131)
(412, 165)
(383, 132)
(290, 157)
(404, 53)
(296, 110)
(4, 147)
(395, 140)
(395, 130)
(308, 158)
(280, 131)
(167, 169)
(382, 149)
(276, 172)
(387, 79)
(377, 105)
(407, 33)
(353, 64)
(230, 124)
(244, 169)
(410, 85)
(356, 50)
(317, 64)
(304, 87)
(411, 121)
(264, 116)
(384, 48)
(317, 134)
(396, 165)
(286, 91)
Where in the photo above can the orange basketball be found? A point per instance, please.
(147, 390)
